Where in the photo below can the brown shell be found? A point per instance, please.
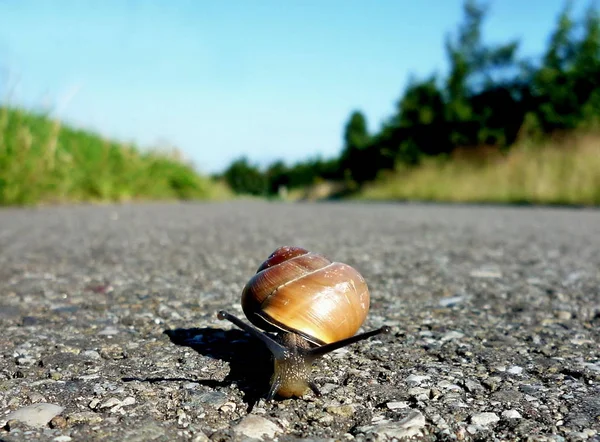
(300, 291)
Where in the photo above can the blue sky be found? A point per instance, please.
(270, 79)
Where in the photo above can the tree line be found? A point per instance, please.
(489, 97)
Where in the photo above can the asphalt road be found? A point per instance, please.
(109, 327)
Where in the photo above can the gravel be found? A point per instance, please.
(110, 330)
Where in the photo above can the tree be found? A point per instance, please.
(277, 176)
(475, 70)
(586, 65)
(553, 83)
(421, 121)
(245, 178)
(356, 142)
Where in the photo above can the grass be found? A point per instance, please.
(562, 172)
(42, 161)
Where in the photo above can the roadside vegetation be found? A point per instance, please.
(534, 119)
(563, 172)
(42, 161)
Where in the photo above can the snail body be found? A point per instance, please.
(315, 306)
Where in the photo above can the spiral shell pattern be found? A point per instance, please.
(303, 292)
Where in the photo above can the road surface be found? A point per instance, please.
(110, 330)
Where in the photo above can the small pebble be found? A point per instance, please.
(84, 417)
(91, 354)
(397, 405)
(515, 369)
(109, 331)
(452, 335)
(511, 414)
(452, 301)
(215, 398)
(591, 366)
(341, 410)
(58, 422)
(484, 419)
(328, 387)
(256, 427)
(578, 436)
(36, 415)
(112, 352)
(449, 386)
(473, 386)
(26, 360)
(94, 403)
(408, 427)
(414, 419)
(563, 315)
(29, 321)
(493, 382)
(228, 407)
(473, 429)
(129, 400)
(200, 437)
(36, 397)
(182, 418)
(419, 393)
(486, 273)
(416, 379)
(111, 402)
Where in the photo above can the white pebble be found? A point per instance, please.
(511, 414)
(414, 419)
(416, 378)
(449, 302)
(94, 403)
(92, 354)
(111, 402)
(129, 400)
(484, 419)
(109, 331)
(26, 360)
(256, 427)
(486, 273)
(408, 427)
(36, 415)
(228, 407)
(397, 405)
(515, 369)
(451, 335)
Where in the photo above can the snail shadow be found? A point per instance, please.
(250, 362)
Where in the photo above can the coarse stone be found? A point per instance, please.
(511, 414)
(256, 427)
(409, 426)
(36, 415)
(484, 419)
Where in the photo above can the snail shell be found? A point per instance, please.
(298, 291)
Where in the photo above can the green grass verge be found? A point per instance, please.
(565, 172)
(42, 161)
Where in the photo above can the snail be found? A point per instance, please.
(315, 306)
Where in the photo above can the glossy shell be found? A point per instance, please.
(300, 291)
